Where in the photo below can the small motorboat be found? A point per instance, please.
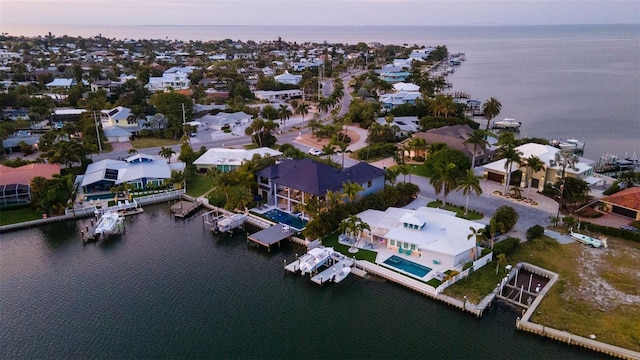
(340, 275)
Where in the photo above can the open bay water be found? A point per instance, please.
(572, 81)
(170, 289)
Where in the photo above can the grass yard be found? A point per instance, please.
(331, 240)
(579, 302)
(18, 215)
(421, 170)
(471, 215)
(199, 185)
(142, 143)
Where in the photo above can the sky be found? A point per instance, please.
(319, 12)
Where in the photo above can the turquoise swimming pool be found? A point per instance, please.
(408, 266)
(286, 218)
(99, 197)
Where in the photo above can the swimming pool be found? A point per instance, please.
(109, 196)
(408, 266)
(286, 218)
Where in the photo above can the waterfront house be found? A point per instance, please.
(15, 183)
(290, 184)
(625, 203)
(551, 172)
(139, 171)
(453, 136)
(430, 235)
(226, 160)
(405, 124)
(391, 100)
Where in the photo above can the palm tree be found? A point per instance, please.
(166, 152)
(343, 148)
(478, 138)
(478, 236)
(351, 190)
(534, 164)
(470, 183)
(508, 151)
(327, 150)
(284, 113)
(444, 179)
(66, 152)
(490, 109)
(240, 197)
(132, 151)
(501, 258)
(333, 198)
(391, 174)
(303, 109)
(405, 170)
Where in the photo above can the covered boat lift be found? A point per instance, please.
(272, 235)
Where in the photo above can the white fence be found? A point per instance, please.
(476, 265)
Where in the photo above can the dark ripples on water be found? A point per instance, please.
(170, 289)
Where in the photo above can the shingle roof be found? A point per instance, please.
(24, 174)
(629, 198)
(317, 178)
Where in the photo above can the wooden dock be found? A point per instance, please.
(184, 208)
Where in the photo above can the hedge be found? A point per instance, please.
(506, 246)
(611, 231)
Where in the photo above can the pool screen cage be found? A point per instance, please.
(14, 194)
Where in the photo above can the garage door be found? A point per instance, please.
(495, 177)
(624, 212)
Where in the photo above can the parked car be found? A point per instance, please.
(315, 152)
(629, 228)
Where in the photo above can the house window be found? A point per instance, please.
(413, 246)
(392, 242)
(405, 224)
(369, 183)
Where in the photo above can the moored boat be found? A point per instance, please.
(110, 223)
(314, 258)
(341, 274)
(507, 124)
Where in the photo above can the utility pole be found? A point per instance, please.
(97, 132)
(184, 115)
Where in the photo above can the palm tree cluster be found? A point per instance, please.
(353, 227)
(260, 131)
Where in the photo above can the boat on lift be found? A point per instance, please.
(110, 223)
(315, 258)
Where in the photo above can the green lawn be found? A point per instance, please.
(471, 215)
(614, 326)
(331, 240)
(421, 170)
(199, 185)
(14, 216)
(142, 143)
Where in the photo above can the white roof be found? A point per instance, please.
(443, 232)
(546, 153)
(69, 111)
(407, 87)
(129, 171)
(223, 156)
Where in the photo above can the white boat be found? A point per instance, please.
(228, 223)
(507, 124)
(110, 223)
(340, 275)
(314, 258)
(596, 243)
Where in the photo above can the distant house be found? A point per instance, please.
(139, 171)
(454, 136)
(287, 78)
(391, 100)
(12, 143)
(227, 160)
(117, 134)
(395, 76)
(274, 95)
(625, 203)
(406, 87)
(223, 120)
(169, 80)
(406, 124)
(61, 84)
(15, 114)
(118, 116)
(430, 236)
(292, 183)
(551, 172)
(107, 85)
(15, 183)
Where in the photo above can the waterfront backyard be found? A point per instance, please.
(596, 293)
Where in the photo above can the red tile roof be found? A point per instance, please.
(629, 198)
(24, 174)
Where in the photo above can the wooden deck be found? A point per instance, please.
(184, 208)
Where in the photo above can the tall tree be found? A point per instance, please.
(490, 109)
(478, 139)
(302, 109)
(351, 190)
(444, 179)
(478, 236)
(533, 164)
(166, 152)
(284, 113)
(469, 184)
(507, 150)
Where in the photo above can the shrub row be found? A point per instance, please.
(377, 150)
(611, 231)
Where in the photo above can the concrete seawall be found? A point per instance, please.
(525, 325)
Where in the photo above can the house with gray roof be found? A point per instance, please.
(290, 184)
(139, 171)
(226, 160)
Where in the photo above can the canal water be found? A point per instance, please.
(170, 289)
